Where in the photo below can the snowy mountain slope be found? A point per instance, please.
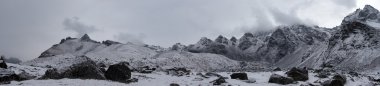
(61, 56)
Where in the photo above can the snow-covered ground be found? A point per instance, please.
(162, 79)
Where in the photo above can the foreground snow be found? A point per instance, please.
(162, 79)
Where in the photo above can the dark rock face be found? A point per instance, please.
(2, 63)
(178, 71)
(298, 74)
(218, 81)
(280, 79)
(119, 72)
(241, 76)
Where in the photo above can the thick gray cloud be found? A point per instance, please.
(131, 38)
(73, 24)
(28, 27)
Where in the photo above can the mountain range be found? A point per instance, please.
(352, 45)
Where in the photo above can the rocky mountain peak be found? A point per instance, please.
(368, 13)
(204, 41)
(221, 39)
(85, 37)
(233, 39)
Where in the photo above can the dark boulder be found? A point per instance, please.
(218, 81)
(119, 72)
(332, 83)
(277, 69)
(85, 70)
(2, 63)
(275, 78)
(241, 76)
(298, 74)
(174, 84)
(352, 73)
(341, 78)
(337, 80)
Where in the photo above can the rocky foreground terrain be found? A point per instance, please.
(294, 55)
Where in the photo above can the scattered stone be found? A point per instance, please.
(201, 75)
(145, 69)
(218, 81)
(178, 71)
(298, 74)
(213, 74)
(241, 76)
(352, 73)
(132, 80)
(277, 69)
(119, 72)
(275, 78)
(323, 74)
(308, 84)
(174, 84)
(250, 80)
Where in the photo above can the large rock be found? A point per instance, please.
(340, 78)
(241, 76)
(83, 69)
(2, 63)
(118, 72)
(275, 78)
(298, 74)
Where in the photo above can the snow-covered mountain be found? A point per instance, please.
(69, 51)
(352, 45)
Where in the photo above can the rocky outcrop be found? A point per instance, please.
(298, 74)
(85, 69)
(119, 72)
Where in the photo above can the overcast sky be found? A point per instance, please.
(28, 27)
